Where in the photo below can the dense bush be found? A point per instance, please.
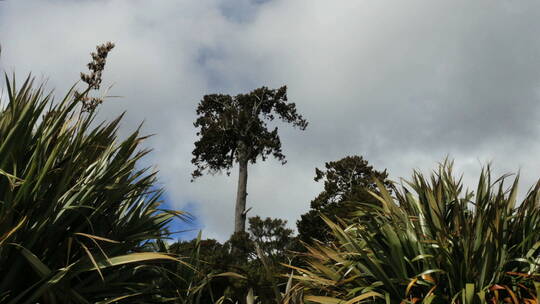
(346, 182)
(434, 242)
(247, 261)
(76, 212)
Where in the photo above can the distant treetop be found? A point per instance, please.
(234, 127)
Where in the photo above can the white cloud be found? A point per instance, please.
(403, 84)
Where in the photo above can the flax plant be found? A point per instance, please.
(432, 241)
(76, 211)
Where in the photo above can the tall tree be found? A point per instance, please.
(346, 182)
(234, 129)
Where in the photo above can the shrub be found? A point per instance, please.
(433, 242)
(76, 212)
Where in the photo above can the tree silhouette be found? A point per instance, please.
(346, 182)
(234, 129)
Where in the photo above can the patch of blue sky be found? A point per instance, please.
(183, 230)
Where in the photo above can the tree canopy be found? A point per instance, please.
(346, 182)
(229, 123)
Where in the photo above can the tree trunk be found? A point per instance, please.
(241, 194)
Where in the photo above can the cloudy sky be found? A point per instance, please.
(403, 83)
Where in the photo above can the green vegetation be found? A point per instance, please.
(77, 216)
(75, 212)
(433, 242)
(346, 183)
(81, 222)
(234, 129)
(253, 261)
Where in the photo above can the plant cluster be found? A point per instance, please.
(247, 261)
(347, 182)
(78, 216)
(433, 242)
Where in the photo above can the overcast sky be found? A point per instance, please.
(402, 83)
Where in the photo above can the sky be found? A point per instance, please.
(402, 83)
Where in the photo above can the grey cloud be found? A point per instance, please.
(404, 84)
(241, 11)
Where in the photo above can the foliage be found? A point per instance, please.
(209, 274)
(433, 242)
(188, 281)
(76, 213)
(346, 183)
(271, 236)
(234, 129)
(271, 242)
(247, 261)
(228, 122)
